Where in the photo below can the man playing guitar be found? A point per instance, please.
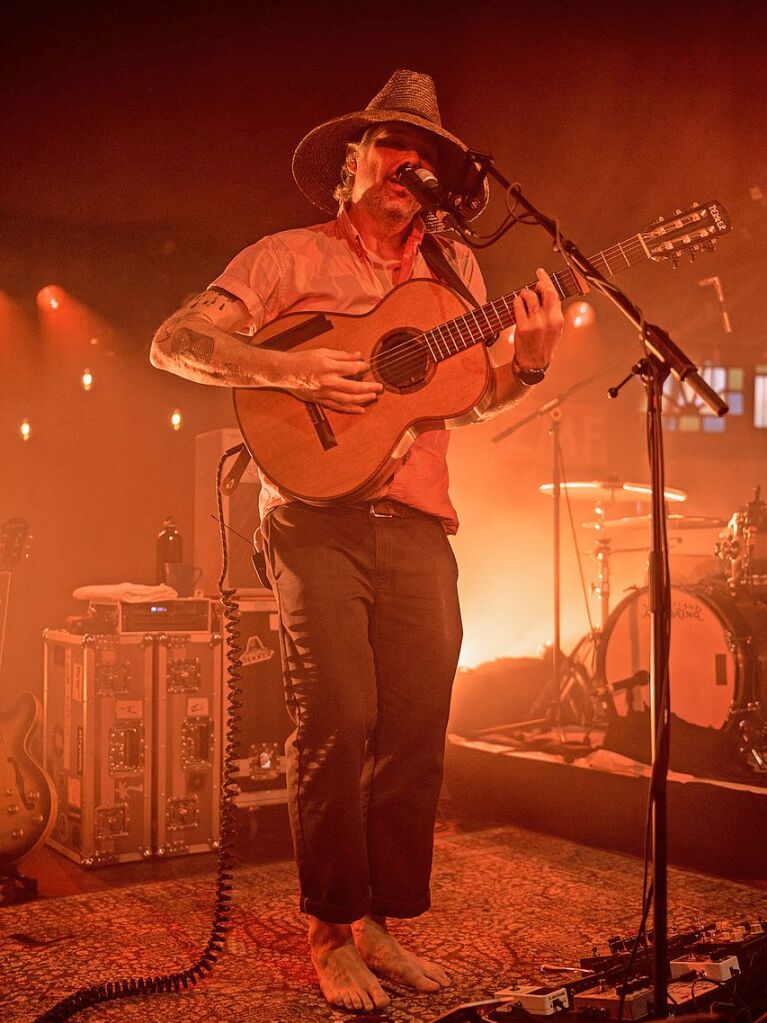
(369, 619)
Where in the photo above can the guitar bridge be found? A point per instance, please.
(322, 426)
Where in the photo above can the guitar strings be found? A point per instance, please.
(410, 351)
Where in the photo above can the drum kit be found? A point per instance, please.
(718, 657)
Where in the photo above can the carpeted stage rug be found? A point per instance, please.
(505, 900)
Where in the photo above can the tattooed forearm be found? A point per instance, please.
(193, 344)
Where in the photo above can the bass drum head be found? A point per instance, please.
(706, 667)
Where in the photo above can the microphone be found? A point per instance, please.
(422, 184)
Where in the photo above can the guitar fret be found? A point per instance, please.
(463, 331)
(451, 328)
(497, 316)
(431, 341)
(444, 341)
(558, 286)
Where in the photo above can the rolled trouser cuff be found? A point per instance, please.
(399, 910)
(331, 914)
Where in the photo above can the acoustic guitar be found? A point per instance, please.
(27, 795)
(428, 348)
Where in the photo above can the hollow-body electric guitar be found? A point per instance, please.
(427, 347)
(27, 795)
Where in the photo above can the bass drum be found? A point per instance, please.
(717, 662)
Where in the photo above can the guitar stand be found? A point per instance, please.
(16, 887)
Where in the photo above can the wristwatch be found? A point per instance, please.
(529, 376)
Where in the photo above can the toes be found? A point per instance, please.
(424, 983)
(380, 998)
(435, 972)
(347, 1000)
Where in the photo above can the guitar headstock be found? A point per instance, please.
(692, 230)
(15, 543)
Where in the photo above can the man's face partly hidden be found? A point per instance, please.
(383, 150)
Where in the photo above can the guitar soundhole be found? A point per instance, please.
(402, 362)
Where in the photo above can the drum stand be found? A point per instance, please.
(562, 685)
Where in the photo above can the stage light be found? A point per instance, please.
(51, 297)
(175, 419)
(86, 380)
(581, 314)
(25, 429)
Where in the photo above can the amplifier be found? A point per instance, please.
(181, 614)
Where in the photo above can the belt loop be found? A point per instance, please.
(375, 514)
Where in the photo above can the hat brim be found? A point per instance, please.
(319, 157)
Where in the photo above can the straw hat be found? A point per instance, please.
(408, 97)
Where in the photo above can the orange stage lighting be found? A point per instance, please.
(175, 419)
(51, 297)
(580, 314)
(86, 380)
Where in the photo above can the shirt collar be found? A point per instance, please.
(347, 230)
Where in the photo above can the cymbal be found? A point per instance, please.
(643, 521)
(612, 490)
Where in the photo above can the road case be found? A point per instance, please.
(97, 735)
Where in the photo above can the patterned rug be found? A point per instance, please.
(505, 900)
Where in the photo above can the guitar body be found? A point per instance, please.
(348, 457)
(430, 383)
(27, 797)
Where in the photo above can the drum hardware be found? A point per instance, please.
(673, 522)
(743, 549)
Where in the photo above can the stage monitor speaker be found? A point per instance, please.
(240, 514)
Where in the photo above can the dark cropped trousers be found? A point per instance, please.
(370, 634)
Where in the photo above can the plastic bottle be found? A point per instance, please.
(170, 546)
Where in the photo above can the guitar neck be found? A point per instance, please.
(484, 323)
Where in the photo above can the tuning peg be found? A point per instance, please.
(693, 254)
(696, 204)
(678, 212)
(674, 261)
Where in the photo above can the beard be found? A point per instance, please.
(389, 206)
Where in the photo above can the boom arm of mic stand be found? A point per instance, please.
(654, 338)
(548, 406)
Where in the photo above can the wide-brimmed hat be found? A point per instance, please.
(408, 97)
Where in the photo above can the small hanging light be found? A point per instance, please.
(86, 380)
(51, 297)
(25, 429)
(175, 419)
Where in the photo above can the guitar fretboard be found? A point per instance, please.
(482, 324)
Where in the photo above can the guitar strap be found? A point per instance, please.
(435, 257)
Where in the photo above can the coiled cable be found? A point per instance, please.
(129, 987)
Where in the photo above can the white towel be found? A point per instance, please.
(131, 593)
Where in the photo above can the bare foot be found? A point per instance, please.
(390, 960)
(344, 979)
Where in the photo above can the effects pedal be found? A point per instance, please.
(606, 1000)
(543, 1001)
(713, 967)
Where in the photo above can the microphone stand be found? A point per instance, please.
(662, 356)
(552, 408)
